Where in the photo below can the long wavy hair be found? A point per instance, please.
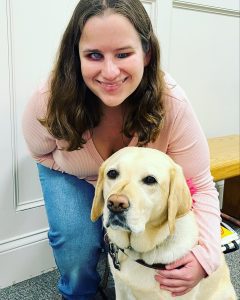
(72, 107)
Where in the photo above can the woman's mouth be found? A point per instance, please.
(110, 86)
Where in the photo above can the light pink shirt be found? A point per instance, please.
(181, 138)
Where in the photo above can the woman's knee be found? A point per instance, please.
(77, 258)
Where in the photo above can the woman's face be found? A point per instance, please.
(112, 58)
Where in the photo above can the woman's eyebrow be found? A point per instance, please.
(97, 50)
(124, 48)
(90, 50)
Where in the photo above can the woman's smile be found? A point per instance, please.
(112, 86)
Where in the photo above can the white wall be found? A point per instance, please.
(204, 59)
(29, 35)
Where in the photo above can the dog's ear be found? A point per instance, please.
(98, 201)
(179, 199)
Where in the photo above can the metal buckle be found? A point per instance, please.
(113, 251)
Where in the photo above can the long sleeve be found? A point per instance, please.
(183, 140)
(189, 148)
(39, 141)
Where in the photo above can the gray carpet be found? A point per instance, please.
(43, 287)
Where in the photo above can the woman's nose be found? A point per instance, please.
(110, 69)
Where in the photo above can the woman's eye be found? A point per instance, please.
(95, 56)
(123, 55)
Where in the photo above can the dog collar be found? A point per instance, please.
(113, 250)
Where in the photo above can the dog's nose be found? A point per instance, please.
(117, 203)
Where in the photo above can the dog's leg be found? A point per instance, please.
(122, 291)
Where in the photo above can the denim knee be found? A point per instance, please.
(76, 258)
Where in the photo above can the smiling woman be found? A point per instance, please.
(117, 38)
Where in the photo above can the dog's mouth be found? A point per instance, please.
(117, 221)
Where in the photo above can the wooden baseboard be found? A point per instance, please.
(23, 262)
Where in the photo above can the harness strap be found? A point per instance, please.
(153, 266)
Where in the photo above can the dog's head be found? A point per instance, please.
(139, 187)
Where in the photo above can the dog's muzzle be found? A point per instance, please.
(118, 205)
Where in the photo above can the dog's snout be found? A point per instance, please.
(117, 203)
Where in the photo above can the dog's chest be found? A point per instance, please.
(137, 280)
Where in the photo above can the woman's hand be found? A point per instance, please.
(181, 276)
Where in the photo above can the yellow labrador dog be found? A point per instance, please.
(146, 204)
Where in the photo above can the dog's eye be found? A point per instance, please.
(149, 180)
(112, 174)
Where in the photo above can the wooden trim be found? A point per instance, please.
(206, 8)
(25, 257)
(23, 240)
(224, 156)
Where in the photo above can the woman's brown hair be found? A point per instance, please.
(73, 108)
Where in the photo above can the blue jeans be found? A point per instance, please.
(76, 241)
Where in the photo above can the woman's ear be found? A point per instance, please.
(147, 57)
